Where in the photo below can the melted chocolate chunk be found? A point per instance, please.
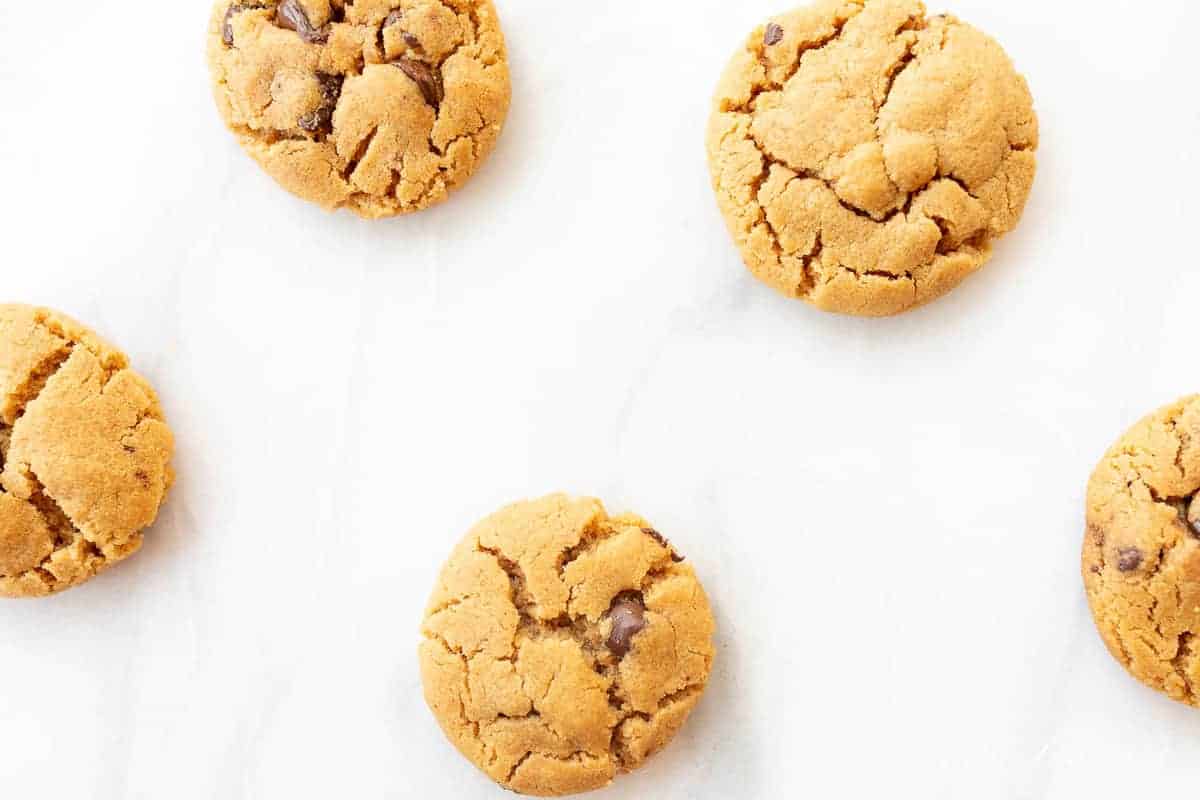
(774, 34)
(628, 615)
(322, 118)
(291, 15)
(428, 79)
(1129, 559)
(227, 24)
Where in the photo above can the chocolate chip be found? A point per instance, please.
(658, 537)
(409, 39)
(227, 24)
(1095, 569)
(1129, 559)
(428, 79)
(774, 34)
(291, 15)
(322, 117)
(628, 615)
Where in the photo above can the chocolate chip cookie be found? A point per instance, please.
(1141, 551)
(866, 157)
(84, 453)
(563, 646)
(379, 106)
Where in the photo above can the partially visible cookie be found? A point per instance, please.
(563, 646)
(379, 106)
(1141, 552)
(84, 453)
(866, 157)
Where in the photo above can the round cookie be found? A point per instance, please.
(562, 646)
(84, 453)
(1141, 551)
(379, 106)
(865, 157)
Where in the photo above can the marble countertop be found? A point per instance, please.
(886, 513)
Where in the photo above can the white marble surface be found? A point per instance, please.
(887, 513)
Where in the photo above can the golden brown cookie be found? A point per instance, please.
(84, 453)
(866, 157)
(1141, 552)
(379, 106)
(562, 646)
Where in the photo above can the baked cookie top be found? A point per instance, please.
(379, 106)
(865, 157)
(84, 453)
(562, 646)
(1141, 552)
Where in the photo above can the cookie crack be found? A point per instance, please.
(803, 47)
(520, 763)
(1171, 649)
(575, 757)
(618, 743)
(913, 23)
(905, 60)
(465, 697)
(976, 242)
(907, 275)
(547, 697)
(267, 136)
(372, 37)
(48, 508)
(360, 152)
(448, 605)
(109, 366)
(1183, 652)
(591, 537)
(1182, 439)
(62, 528)
(572, 626)
(29, 391)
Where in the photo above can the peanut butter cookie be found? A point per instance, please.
(562, 646)
(1141, 552)
(84, 453)
(379, 106)
(865, 157)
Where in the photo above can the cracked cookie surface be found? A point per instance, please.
(379, 106)
(1141, 550)
(865, 157)
(562, 647)
(84, 453)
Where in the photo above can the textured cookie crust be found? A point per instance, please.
(562, 647)
(379, 106)
(1141, 551)
(866, 158)
(84, 453)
